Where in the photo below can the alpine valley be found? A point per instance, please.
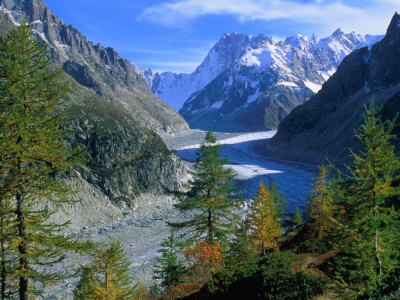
(138, 125)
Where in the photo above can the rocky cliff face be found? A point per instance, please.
(111, 110)
(324, 126)
(97, 68)
(127, 159)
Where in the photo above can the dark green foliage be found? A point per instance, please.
(170, 267)
(275, 276)
(211, 194)
(297, 217)
(85, 288)
(240, 260)
(34, 155)
(279, 200)
(315, 245)
(368, 222)
(284, 279)
(390, 289)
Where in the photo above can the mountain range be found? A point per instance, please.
(250, 83)
(245, 83)
(324, 127)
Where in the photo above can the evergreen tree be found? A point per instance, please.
(211, 194)
(86, 286)
(170, 267)
(262, 220)
(320, 204)
(240, 259)
(107, 275)
(297, 217)
(33, 154)
(279, 200)
(369, 222)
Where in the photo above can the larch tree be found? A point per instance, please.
(365, 210)
(297, 216)
(34, 155)
(319, 204)
(211, 194)
(204, 259)
(279, 200)
(263, 220)
(107, 275)
(170, 266)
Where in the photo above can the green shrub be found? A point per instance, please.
(283, 278)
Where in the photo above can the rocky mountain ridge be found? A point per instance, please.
(324, 126)
(99, 69)
(259, 89)
(251, 82)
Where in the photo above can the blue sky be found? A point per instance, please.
(176, 35)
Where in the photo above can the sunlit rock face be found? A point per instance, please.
(98, 68)
(111, 111)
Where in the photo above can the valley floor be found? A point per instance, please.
(142, 229)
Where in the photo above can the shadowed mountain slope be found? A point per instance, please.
(324, 126)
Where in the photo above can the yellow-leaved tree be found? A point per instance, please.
(263, 220)
(320, 204)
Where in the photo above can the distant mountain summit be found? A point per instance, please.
(252, 82)
(324, 126)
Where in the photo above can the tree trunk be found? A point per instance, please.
(210, 229)
(23, 261)
(3, 271)
(263, 247)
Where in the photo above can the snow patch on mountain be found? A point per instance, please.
(312, 86)
(254, 97)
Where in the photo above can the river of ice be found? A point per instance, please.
(245, 155)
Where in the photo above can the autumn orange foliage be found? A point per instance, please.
(205, 258)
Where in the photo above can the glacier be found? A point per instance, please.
(245, 155)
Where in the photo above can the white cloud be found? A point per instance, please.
(365, 16)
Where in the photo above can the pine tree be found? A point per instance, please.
(369, 222)
(107, 275)
(297, 217)
(211, 194)
(240, 259)
(279, 200)
(170, 267)
(262, 220)
(34, 154)
(86, 286)
(320, 204)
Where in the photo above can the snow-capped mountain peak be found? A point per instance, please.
(241, 71)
